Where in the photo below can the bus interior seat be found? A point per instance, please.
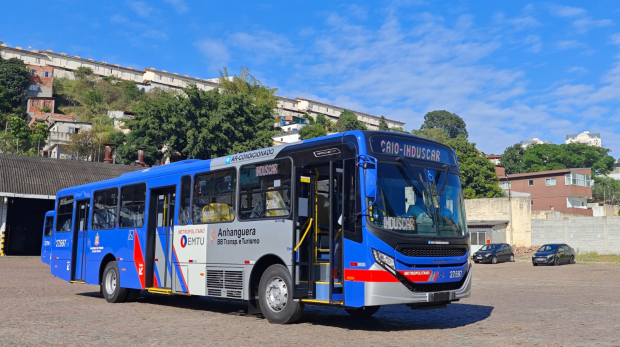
(217, 212)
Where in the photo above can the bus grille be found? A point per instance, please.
(433, 251)
(433, 287)
(225, 283)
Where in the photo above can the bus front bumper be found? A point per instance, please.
(393, 293)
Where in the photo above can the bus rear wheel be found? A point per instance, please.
(110, 284)
(362, 312)
(276, 298)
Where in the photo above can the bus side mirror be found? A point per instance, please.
(370, 182)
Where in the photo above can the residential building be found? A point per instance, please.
(495, 159)
(586, 137)
(566, 190)
(119, 118)
(63, 65)
(534, 141)
(60, 135)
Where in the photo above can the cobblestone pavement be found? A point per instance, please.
(512, 304)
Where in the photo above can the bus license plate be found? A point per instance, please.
(443, 296)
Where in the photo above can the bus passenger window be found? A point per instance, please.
(214, 197)
(265, 190)
(104, 209)
(186, 189)
(64, 214)
(49, 225)
(133, 202)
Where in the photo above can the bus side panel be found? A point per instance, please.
(46, 245)
(353, 288)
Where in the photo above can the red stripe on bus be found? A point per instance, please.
(384, 276)
(138, 259)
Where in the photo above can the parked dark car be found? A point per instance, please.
(494, 253)
(554, 254)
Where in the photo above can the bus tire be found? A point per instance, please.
(362, 312)
(276, 297)
(110, 283)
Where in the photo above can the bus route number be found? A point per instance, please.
(61, 243)
(456, 274)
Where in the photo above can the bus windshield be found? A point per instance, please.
(418, 201)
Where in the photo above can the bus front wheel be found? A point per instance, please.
(276, 297)
(361, 312)
(110, 284)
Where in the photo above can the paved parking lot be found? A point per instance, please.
(512, 304)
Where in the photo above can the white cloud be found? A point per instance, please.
(140, 8)
(577, 70)
(569, 44)
(534, 43)
(615, 39)
(584, 24)
(567, 11)
(216, 53)
(518, 23)
(179, 5)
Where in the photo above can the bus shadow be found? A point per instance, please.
(388, 318)
(398, 318)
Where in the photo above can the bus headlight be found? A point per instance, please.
(384, 260)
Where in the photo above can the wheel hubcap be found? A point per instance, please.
(110, 282)
(276, 294)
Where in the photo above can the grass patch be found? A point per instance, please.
(593, 257)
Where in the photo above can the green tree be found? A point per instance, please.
(512, 159)
(15, 79)
(311, 131)
(327, 124)
(448, 121)
(83, 72)
(19, 139)
(606, 190)
(436, 134)
(246, 84)
(348, 121)
(542, 157)
(383, 124)
(478, 176)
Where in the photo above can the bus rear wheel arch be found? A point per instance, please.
(275, 296)
(111, 284)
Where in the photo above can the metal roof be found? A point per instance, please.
(44, 176)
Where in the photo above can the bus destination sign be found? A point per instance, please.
(409, 149)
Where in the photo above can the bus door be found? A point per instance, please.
(159, 238)
(80, 230)
(48, 238)
(318, 233)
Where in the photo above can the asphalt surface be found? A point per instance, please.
(512, 304)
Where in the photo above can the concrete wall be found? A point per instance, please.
(517, 210)
(605, 210)
(550, 214)
(594, 234)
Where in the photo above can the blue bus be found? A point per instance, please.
(356, 220)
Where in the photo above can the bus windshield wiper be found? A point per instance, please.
(426, 192)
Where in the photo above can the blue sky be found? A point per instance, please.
(512, 70)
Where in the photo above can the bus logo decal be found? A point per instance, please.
(96, 240)
(326, 152)
(183, 241)
(213, 235)
(228, 159)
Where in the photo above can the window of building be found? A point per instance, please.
(133, 202)
(110, 71)
(64, 214)
(46, 104)
(135, 77)
(505, 185)
(184, 206)
(578, 179)
(21, 57)
(33, 87)
(97, 68)
(104, 209)
(159, 77)
(38, 60)
(67, 62)
(550, 181)
(214, 197)
(46, 74)
(171, 79)
(33, 72)
(531, 202)
(530, 182)
(265, 190)
(35, 103)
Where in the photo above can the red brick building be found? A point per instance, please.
(566, 190)
(39, 94)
